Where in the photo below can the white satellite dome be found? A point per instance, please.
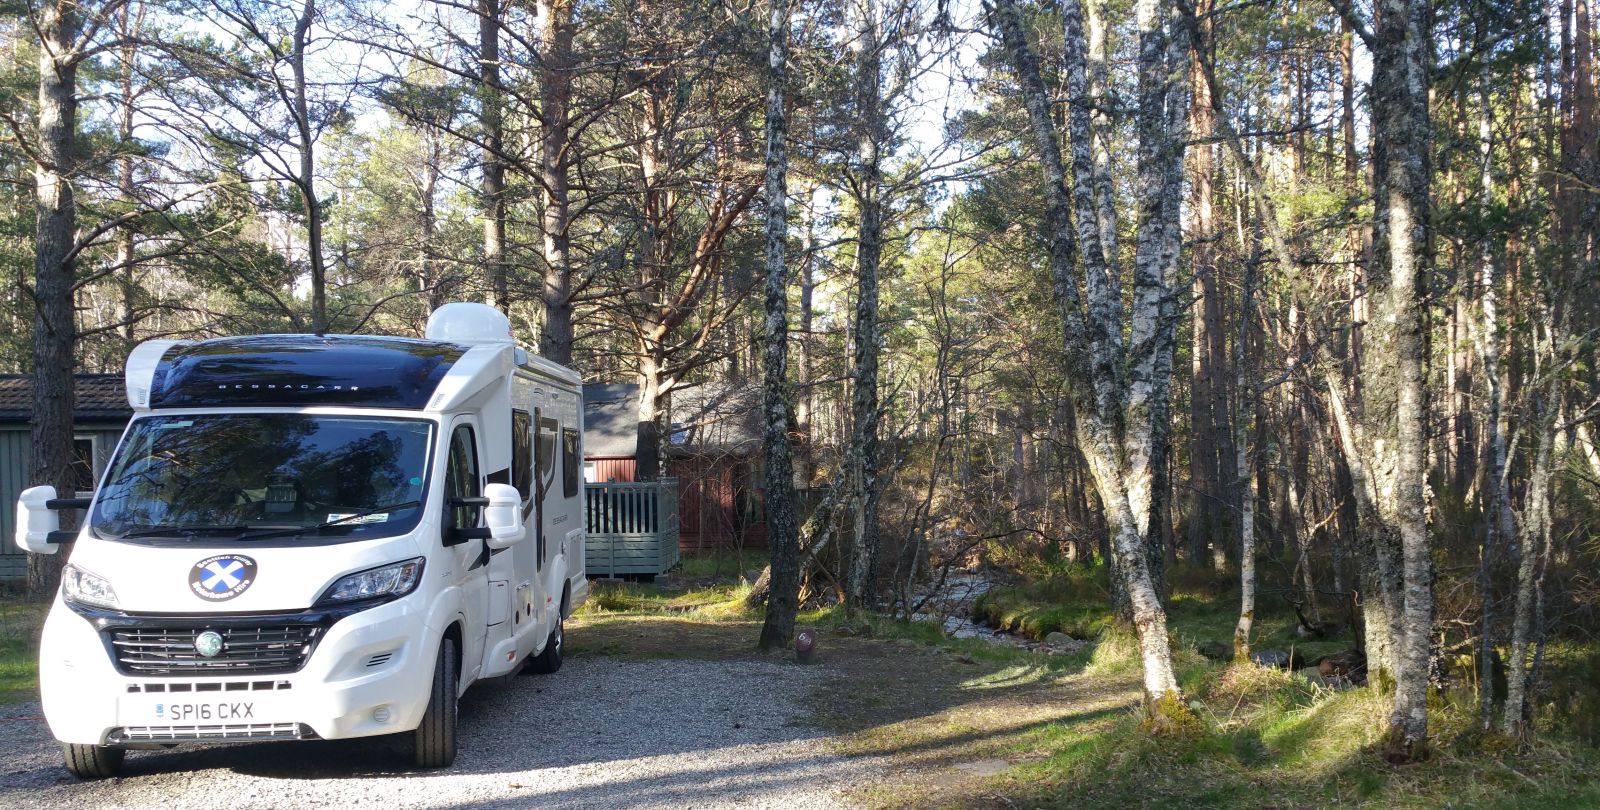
(469, 324)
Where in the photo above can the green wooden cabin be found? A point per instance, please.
(100, 413)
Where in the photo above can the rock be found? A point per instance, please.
(1348, 667)
(1057, 638)
(1313, 675)
(1270, 658)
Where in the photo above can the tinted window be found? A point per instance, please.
(569, 453)
(461, 477)
(522, 453)
(546, 452)
(231, 474)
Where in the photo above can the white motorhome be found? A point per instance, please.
(308, 537)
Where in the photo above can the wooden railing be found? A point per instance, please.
(632, 527)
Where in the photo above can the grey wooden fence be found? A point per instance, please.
(632, 528)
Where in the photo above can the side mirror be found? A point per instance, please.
(38, 524)
(504, 515)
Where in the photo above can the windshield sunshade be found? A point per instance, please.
(238, 476)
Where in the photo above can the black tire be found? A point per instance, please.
(434, 741)
(549, 660)
(92, 761)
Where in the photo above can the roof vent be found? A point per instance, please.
(469, 324)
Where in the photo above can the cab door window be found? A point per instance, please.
(522, 453)
(461, 478)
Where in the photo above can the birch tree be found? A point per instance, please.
(1383, 429)
(782, 533)
(1092, 352)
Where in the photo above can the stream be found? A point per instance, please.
(951, 607)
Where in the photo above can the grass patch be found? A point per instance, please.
(1201, 610)
(1071, 603)
(19, 651)
(711, 603)
(1067, 730)
(1271, 739)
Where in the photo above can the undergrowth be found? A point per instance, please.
(1244, 735)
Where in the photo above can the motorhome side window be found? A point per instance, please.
(461, 477)
(547, 452)
(522, 453)
(569, 456)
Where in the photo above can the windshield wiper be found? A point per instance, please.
(335, 523)
(178, 530)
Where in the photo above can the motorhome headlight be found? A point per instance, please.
(85, 588)
(395, 579)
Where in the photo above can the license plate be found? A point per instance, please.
(189, 710)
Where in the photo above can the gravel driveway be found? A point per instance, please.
(600, 733)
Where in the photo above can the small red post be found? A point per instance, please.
(805, 646)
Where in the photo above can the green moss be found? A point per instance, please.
(1169, 716)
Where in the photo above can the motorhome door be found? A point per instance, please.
(469, 556)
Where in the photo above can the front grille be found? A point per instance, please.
(170, 687)
(260, 649)
(240, 732)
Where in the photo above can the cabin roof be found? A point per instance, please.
(610, 421)
(95, 397)
(715, 418)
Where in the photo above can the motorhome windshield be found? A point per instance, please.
(259, 475)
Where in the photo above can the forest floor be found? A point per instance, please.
(964, 723)
(889, 714)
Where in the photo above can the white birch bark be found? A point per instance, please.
(1088, 354)
(1243, 450)
(782, 539)
(1498, 529)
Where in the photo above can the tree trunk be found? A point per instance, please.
(129, 24)
(804, 408)
(1244, 449)
(428, 281)
(1101, 128)
(1208, 521)
(494, 167)
(782, 533)
(555, 97)
(307, 177)
(54, 330)
(1535, 544)
(1090, 360)
(863, 451)
(653, 388)
(1496, 488)
(1394, 407)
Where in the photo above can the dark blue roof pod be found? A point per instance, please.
(298, 370)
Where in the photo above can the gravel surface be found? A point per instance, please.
(599, 733)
